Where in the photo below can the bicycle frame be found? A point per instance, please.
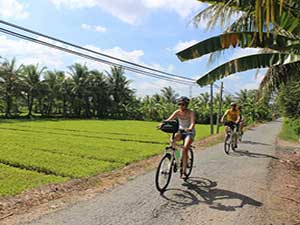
(171, 149)
(230, 139)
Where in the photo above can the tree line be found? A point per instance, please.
(33, 91)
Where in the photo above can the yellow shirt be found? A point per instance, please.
(232, 115)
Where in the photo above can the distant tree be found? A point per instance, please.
(53, 82)
(32, 85)
(289, 98)
(67, 96)
(120, 91)
(9, 83)
(81, 92)
(100, 93)
(169, 94)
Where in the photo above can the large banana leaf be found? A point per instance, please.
(241, 4)
(238, 39)
(247, 63)
(266, 15)
(244, 5)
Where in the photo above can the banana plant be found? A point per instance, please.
(279, 41)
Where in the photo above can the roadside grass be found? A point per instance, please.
(14, 180)
(287, 132)
(37, 152)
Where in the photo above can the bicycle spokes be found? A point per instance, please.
(164, 172)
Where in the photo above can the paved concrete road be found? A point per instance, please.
(223, 189)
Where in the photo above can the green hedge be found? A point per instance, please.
(291, 129)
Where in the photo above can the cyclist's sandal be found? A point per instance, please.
(183, 175)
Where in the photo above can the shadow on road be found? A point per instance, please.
(202, 190)
(255, 143)
(239, 153)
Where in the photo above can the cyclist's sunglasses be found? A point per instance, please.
(179, 104)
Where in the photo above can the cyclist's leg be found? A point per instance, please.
(177, 137)
(227, 128)
(187, 143)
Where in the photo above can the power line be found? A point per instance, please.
(92, 51)
(107, 62)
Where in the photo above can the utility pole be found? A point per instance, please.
(220, 108)
(211, 109)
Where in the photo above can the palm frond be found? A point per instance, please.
(240, 39)
(247, 63)
(276, 76)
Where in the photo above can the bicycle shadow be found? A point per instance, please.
(203, 191)
(255, 143)
(241, 153)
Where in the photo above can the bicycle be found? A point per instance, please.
(172, 162)
(240, 133)
(229, 140)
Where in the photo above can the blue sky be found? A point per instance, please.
(143, 31)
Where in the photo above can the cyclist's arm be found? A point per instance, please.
(193, 122)
(225, 114)
(173, 116)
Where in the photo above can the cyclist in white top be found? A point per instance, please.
(186, 119)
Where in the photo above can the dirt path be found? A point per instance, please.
(223, 189)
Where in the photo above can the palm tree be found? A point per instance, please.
(67, 95)
(169, 94)
(80, 74)
(151, 107)
(243, 96)
(120, 92)
(205, 99)
(31, 79)
(280, 42)
(9, 83)
(100, 93)
(53, 81)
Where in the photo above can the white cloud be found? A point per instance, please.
(30, 53)
(133, 56)
(240, 52)
(96, 28)
(181, 45)
(131, 11)
(232, 77)
(150, 86)
(13, 9)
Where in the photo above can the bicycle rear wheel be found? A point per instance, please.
(164, 173)
(227, 144)
(190, 162)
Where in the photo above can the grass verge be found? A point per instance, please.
(288, 132)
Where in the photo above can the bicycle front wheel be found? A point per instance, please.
(190, 162)
(164, 173)
(227, 144)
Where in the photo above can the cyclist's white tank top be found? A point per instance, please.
(184, 123)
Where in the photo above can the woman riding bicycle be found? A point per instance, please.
(186, 119)
(232, 119)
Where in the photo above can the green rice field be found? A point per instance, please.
(34, 153)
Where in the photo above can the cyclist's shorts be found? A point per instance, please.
(230, 124)
(185, 134)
